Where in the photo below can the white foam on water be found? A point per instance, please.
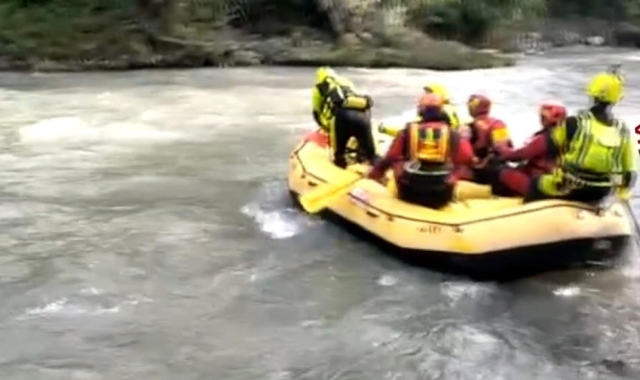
(277, 224)
(151, 115)
(11, 212)
(387, 280)
(496, 83)
(62, 306)
(457, 290)
(567, 291)
(66, 308)
(7, 94)
(127, 131)
(69, 130)
(273, 214)
(632, 269)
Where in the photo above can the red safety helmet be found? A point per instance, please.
(552, 113)
(478, 105)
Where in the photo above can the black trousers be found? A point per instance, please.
(352, 123)
(433, 192)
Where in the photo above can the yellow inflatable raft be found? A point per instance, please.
(478, 234)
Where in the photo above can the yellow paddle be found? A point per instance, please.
(321, 197)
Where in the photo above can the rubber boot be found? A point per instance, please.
(340, 161)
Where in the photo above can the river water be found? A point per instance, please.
(146, 233)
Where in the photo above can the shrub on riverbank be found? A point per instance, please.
(121, 34)
(470, 21)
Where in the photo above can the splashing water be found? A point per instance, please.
(72, 130)
(273, 213)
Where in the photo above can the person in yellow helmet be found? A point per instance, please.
(392, 129)
(342, 113)
(596, 150)
(449, 108)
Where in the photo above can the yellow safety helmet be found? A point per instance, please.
(606, 87)
(438, 89)
(323, 72)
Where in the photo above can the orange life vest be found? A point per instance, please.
(429, 142)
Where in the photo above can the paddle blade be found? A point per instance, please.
(321, 197)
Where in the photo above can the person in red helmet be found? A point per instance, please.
(424, 156)
(538, 159)
(485, 133)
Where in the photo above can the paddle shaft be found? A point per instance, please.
(323, 196)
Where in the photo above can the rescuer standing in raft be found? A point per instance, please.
(342, 114)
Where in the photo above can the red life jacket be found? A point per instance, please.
(542, 164)
(481, 130)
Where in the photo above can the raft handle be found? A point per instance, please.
(372, 214)
(312, 184)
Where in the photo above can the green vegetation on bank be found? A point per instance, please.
(123, 34)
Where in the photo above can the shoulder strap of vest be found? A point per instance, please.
(583, 117)
(490, 122)
(335, 85)
(621, 125)
(444, 128)
(332, 92)
(323, 88)
(454, 140)
(450, 137)
(412, 139)
(474, 132)
(583, 113)
(346, 90)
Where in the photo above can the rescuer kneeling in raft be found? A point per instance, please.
(423, 157)
(486, 133)
(448, 108)
(342, 114)
(538, 160)
(596, 153)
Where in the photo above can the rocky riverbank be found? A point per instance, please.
(559, 33)
(238, 49)
(51, 35)
(71, 35)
